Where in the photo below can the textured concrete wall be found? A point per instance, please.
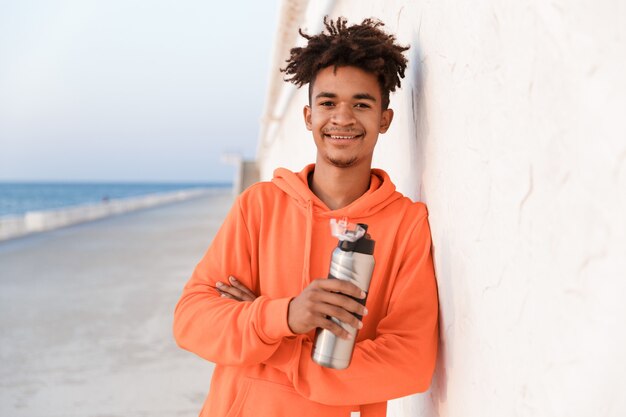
(510, 126)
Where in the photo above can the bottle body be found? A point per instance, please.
(329, 350)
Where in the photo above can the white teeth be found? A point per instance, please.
(342, 137)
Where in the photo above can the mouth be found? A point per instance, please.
(342, 137)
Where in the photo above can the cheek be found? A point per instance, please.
(317, 122)
(371, 123)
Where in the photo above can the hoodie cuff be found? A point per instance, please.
(274, 324)
(283, 358)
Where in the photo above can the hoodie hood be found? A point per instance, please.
(381, 193)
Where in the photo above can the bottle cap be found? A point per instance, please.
(352, 237)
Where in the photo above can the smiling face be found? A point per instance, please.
(346, 116)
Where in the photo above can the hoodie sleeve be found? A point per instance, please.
(222, 330)
(399, 361)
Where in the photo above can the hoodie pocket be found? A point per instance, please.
(240, 399)
(260, 398)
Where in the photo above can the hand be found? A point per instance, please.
(235, 291)
(324, 298)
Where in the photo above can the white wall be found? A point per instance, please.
(510, 126)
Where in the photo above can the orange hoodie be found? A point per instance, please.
(276, 240)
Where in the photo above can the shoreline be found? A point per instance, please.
(15, 226)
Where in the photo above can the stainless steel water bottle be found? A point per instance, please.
(352, 260)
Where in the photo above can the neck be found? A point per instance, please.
(338, 187)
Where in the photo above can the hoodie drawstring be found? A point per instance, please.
(307, 244)
(381, 193)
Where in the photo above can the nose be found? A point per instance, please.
(343, 115)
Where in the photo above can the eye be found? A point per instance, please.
(362, 105)
(326, 103)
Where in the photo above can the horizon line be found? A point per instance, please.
(117, 181)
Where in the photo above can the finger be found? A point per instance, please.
(340, 314)
(334, 328)
(226, 295)
(232, 291)
(342, 286)
(237, 284)
(340, 300)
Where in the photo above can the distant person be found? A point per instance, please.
(255, 300)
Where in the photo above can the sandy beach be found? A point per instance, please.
(86, 315)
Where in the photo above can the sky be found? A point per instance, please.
(131, 90)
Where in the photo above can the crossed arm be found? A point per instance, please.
(398, 361)
(394, 364)
(312, 308)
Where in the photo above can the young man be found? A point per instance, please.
(254, 301)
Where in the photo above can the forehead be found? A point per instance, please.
(346, 81)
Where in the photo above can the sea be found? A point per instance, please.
(18, 198)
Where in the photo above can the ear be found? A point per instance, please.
(307, 117)
(385, 120)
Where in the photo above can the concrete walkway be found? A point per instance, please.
(86, 315)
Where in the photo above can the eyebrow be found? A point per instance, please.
(365, 96)
(358, 96)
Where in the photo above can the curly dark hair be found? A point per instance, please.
(364, 46)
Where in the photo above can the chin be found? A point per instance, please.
(342, 163)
